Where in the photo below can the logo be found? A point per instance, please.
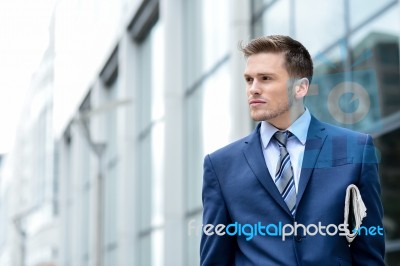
(249, 231)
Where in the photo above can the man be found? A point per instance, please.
(293, 169)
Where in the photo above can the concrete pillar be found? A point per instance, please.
(171, 17)
(127, 228)
(64, 174)
(239, 30)
(97, 136)
(75, 196)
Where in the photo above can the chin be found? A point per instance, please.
(271, 113)
(260, 117)
(257, 119)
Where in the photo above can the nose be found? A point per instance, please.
(254, 88)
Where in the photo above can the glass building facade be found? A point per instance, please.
(355, 48)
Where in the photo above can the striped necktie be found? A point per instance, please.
(284, 173)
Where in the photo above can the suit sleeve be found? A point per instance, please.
(370, 249)
(215, 249)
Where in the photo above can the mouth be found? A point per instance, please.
(256, 102)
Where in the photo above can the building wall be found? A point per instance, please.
(155, 124)
(28, 189)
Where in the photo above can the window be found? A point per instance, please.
(151, 147)
(207, 108)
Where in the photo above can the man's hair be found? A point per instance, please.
(298, 61)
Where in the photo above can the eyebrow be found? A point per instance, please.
(259, 74)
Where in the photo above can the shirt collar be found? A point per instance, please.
(298, 128)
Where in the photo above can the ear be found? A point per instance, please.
(301, 88)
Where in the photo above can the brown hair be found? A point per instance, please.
(298, 61)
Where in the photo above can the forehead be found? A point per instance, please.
(265, 62)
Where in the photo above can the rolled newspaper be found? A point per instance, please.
(354, 211)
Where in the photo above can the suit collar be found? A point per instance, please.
(316, 136)
(255, 158)
(298, 128)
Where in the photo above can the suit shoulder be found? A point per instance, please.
(353, 139)
(341, 131)
(231, 149)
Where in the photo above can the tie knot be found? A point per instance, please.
(281, 137)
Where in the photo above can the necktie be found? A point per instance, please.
(284, 173)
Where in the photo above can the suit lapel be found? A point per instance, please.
(315, 139)
(253, 153)
(255, 159)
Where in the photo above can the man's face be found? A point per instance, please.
(267, 87)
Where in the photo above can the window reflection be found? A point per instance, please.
(215, 21)
(318, 23)
(157, 178)
(216, 116)
(358, 103)
(360, 10)
(194, 150)
(209, 125)
(375, 49)
(389, 147)
(368, 66)
(151, 137)
(207, 84)
(258, 5)
(387, 23)
(360, 51)
(208, 128)
(328, 73)
(151, 145)
(276, 20)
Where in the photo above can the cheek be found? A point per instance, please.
(281, 95)
(247, 90)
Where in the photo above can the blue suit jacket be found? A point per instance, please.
(237, 187)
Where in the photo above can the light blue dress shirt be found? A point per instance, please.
(295, 145)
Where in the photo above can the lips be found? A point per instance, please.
(254, 102)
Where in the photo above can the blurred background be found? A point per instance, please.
(102, 146)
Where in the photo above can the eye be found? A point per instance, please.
(249, 80)
(266, 78)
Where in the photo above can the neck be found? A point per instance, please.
(284, 121)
